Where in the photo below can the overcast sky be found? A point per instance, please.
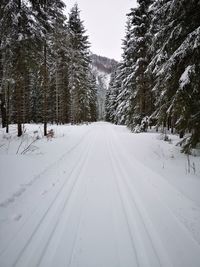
(104, 21)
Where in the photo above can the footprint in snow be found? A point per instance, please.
(7, 202)
(19, 192)
(44, 192)
(17, 217)
(27, 184)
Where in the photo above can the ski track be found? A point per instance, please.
(78, 177)
(128, 198)
(44, 174)
(109, 210)
(158, 182)
(5, 203)
(142, 181)
(19, 260)
(44, 212)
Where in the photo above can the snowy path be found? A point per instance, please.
(106, 210)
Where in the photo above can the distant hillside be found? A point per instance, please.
(103, 64)
(102, 68)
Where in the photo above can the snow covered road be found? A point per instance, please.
(97, 205)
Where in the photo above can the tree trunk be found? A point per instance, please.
(8, 109)
(18, 87)
(3, 110)
(2, 95)
(19, 105)
(169, 124)
(181, 134)
(45, 90)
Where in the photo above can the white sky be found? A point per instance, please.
(105, 22)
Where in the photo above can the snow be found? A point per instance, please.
(103, 75)
(185, 79)
(97, 195)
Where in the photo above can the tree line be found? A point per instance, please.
(158, 80)
(45, 65)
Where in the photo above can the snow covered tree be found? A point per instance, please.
(19, 34)
(79, 68)
(125, 75)
(92, 95)
(59, 64)
(26, 32)
(53, 20)
(133, 100)
(111, 96)
(140, 104)
(159, 74)
(45, 73)
(101, 94)
(175, 65)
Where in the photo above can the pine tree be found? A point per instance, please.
(126, 77)
(92, 86)
(79, 68)
(45, 72)
(111, 96)
(159, 74)
(23, 24)
(175, 65)
(133, 94)
(101, 95)
(139, 101)
(18, 34)
(59, 46)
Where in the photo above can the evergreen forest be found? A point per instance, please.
(46, 71)
(157, 83)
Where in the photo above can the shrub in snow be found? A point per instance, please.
(50, 134)
(137, 129)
